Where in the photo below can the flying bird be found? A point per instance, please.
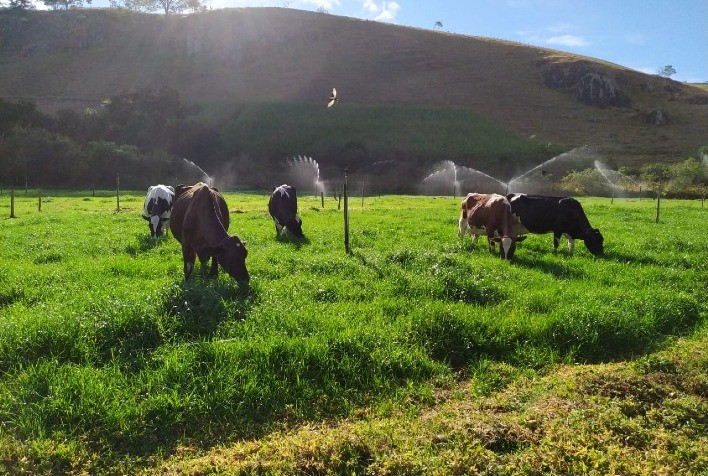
(333, 98)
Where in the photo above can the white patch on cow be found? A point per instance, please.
(571, 243)
(283, 191)
(506, 244)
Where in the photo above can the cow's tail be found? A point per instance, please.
(464, 209)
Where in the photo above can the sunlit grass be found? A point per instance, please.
(104, 349)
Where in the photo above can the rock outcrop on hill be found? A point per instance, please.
(590, 87)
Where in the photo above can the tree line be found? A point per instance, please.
(145, 136)
(166, 6)
(141, 135)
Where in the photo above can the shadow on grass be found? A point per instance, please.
(620, 257)
(559, 270)
(198, 306)
(145, 243)
(292, 240)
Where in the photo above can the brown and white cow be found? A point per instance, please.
(200, 222)
(489, 215)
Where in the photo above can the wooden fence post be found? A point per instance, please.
(12, 203)
(118, 192)
(39, 205)
(322, 197)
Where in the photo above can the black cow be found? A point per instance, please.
(564, 216)
(282, 206)
(157, 207)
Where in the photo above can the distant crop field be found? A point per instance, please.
(106, 354)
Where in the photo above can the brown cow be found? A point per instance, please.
(199, 221)
(489, 214)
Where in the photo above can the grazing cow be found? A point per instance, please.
(158, 203)
(564, 216)
(282, 206)
(200, 220)
(491, 215)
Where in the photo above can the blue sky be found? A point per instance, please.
(640, 34)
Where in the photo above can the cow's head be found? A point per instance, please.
(593, 241)
(294, 227)
(157, 225)
(232, 253)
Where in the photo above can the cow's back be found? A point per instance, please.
(199, 214)
(490, 211)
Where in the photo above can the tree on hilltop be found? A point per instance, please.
(168, 6)
(19, 5)
(134, 5)
(666, 72)
(65, 4)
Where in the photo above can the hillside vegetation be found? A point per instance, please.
(291, 59)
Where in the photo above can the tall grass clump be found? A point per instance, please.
(107, 355)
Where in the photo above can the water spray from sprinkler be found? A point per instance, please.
(205, 176)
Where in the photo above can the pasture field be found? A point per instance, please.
(418, 353)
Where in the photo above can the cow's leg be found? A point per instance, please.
(490, 240)
(188, 256)
(571, 243)
(214, 271)
(556, 240)
(278, 226)
(462, 227)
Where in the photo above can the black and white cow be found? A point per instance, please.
(564, 216)
(158, 204)
(282, 206)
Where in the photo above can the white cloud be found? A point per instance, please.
(636, 39)
(328, 5)
(567, 40)
(381, 11)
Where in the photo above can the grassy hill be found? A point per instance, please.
(291, 59)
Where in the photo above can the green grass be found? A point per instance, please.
(109, 360)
